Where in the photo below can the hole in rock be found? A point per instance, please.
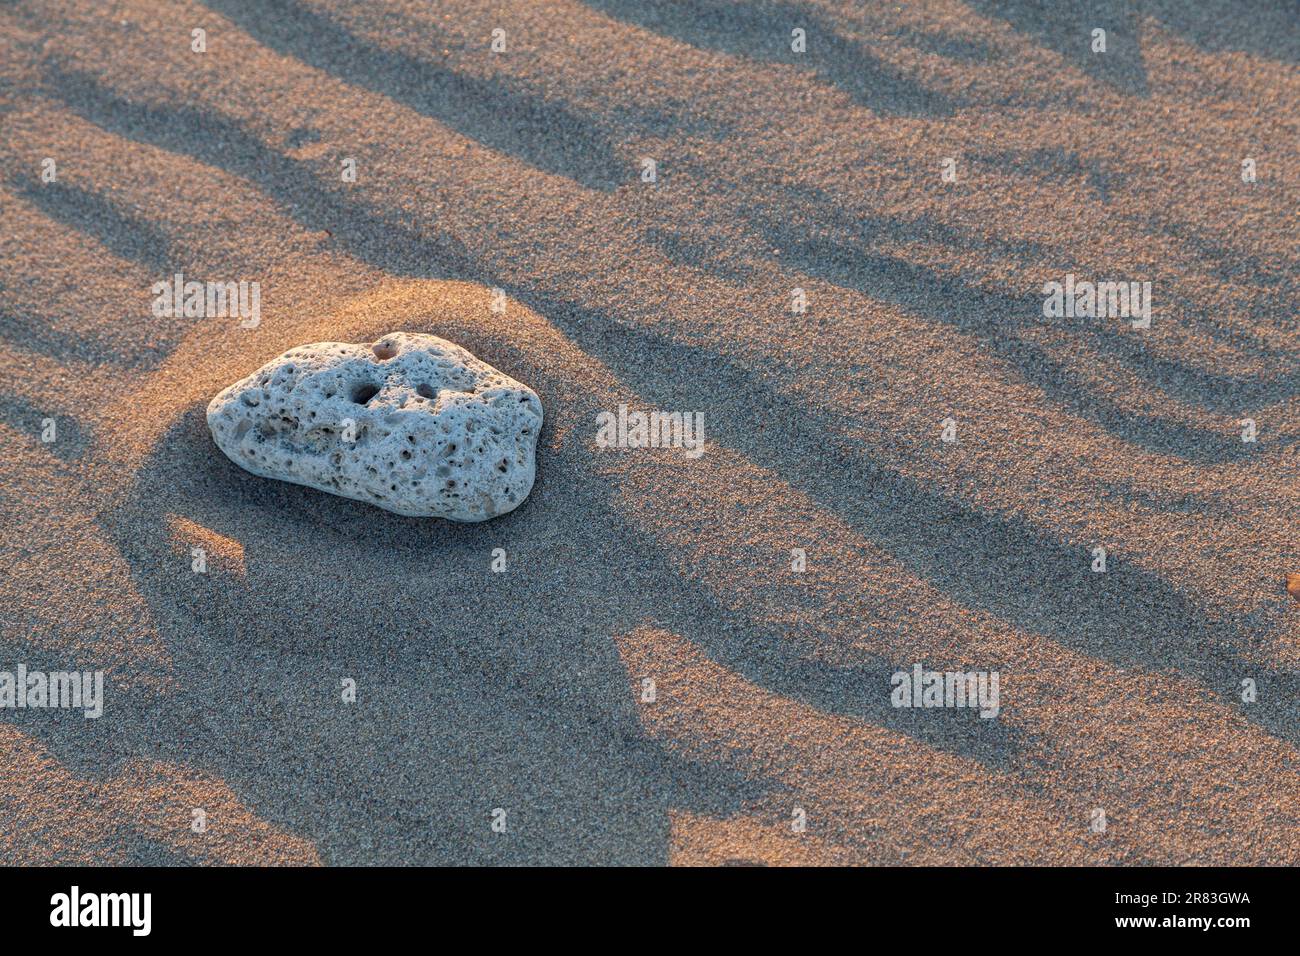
(364, 393)
(425, 391)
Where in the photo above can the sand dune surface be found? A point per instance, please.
(687, 659)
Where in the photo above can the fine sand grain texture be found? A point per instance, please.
(662, 656)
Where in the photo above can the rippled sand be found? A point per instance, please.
(526, 690)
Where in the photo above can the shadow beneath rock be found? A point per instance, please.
(471, 687)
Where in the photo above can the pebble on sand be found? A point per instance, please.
(412, 424)
(1293, 584)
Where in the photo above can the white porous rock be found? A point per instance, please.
(412, 424)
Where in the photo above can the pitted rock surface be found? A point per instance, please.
(413, 424)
